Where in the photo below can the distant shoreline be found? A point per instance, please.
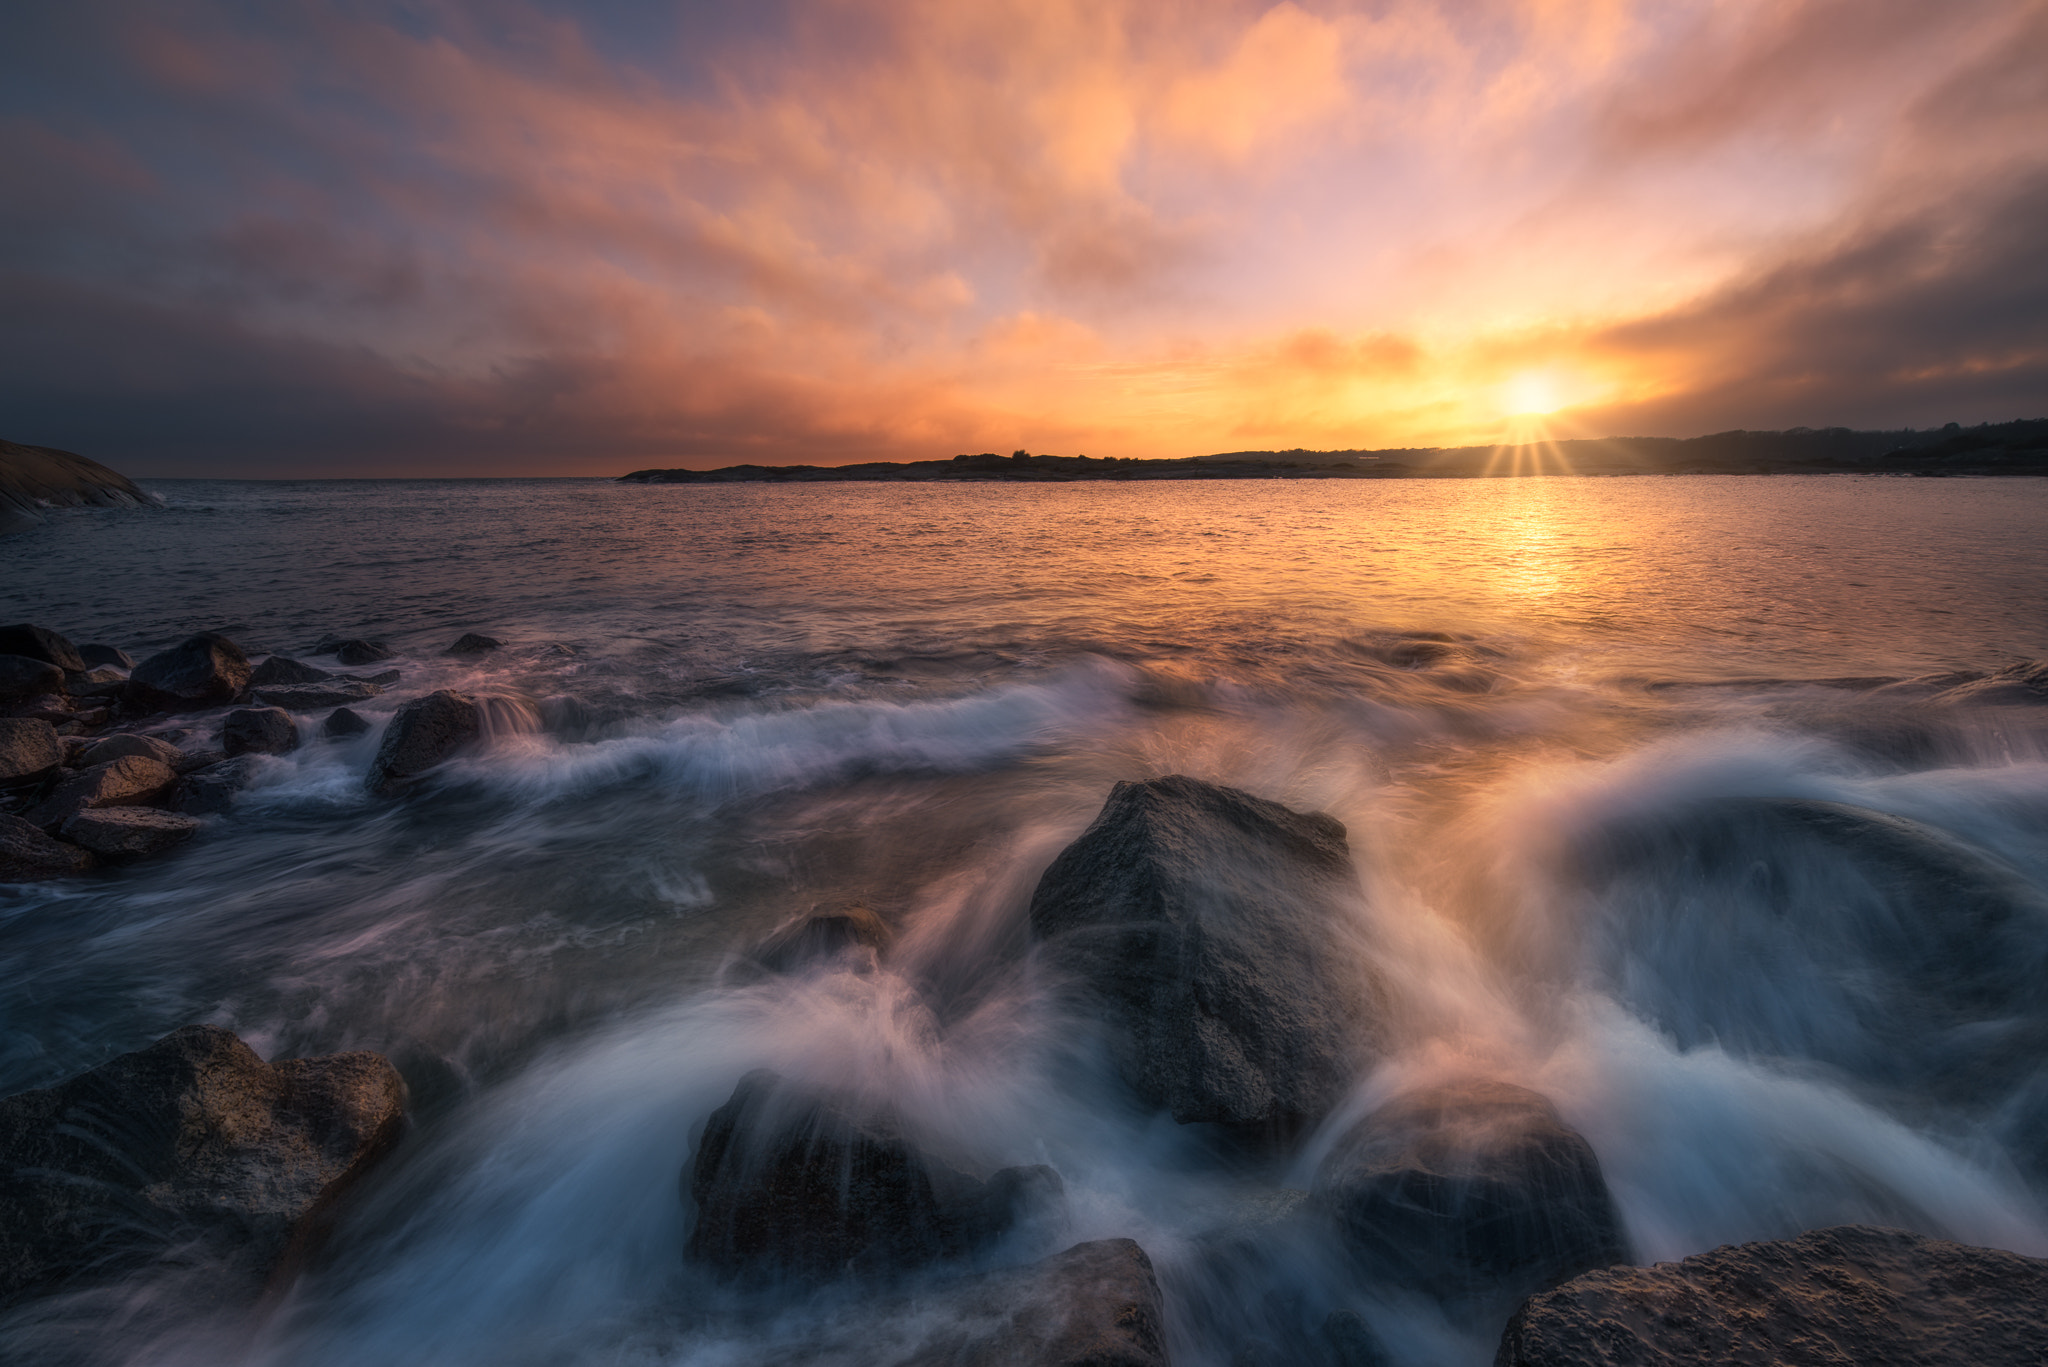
(2006, 449)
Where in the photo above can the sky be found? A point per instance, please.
(435, 237)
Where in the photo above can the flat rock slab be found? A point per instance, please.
(27, 855)
(1852, 1296)
(192, 1140)
(29, 749)
(129, 832)
(128, 780)
(1212, 928)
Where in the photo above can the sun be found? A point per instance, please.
(1532, 391)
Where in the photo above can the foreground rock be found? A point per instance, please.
(1095, 1305)
(258, 731)
(27, 855)
(149, 747)
(1470, 1192)
(29, 750)
(131, 780)
(788, 1182)
(1212, 928)
(205, 670)
(128, 832)
(41, 643)
(23, 677)
(193, 1141)
(1850, 1295)
(422, 734)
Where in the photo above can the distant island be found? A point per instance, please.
(34, 478)
(2010, 448)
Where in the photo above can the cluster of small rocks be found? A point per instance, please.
(91, 773)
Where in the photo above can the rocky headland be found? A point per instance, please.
(33, 478)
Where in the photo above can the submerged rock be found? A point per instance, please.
(307, 697)
(191, 1141)
(342, 723)
(1471, 1191)
(128, 832)
(283, 670)
(23, 677)
(27, 855)
(41, 643)
(1211, 927)
(204, 670)
(1095, 1305)
(1849, 1295)
(791, 1182)
(472, 644)
(354, 652)
(29, 750)
(818, 938)
(212, 790)
(127, 781)
(422, 734)
(259, 731)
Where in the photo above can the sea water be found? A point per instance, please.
(718, 707)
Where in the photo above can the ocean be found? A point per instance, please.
(718, 707)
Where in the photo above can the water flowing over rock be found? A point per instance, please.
(423, 733)
(258, 731)
(1095, 1305)
(307, 697)
(193, 1140)
(2024, 684)
(128, 832)
(23, 677)
(850, 932)
(788, 1181)
(211, 790)
(41, 643)
(1848, 1295)
(1210, 925)
(28, 749)
(27, 855)
(1471, 1192)
(283, 670)
(204, 670)
(128, 781)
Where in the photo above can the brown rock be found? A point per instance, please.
(423, 733)
(29, 856)
(128, 832)
(126, 781)
(1829, 1298)
(149, 747)
(192, 1143)
(29, 750)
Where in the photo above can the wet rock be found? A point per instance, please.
(128, 781)
(791, 1182)
(309, 697)
(422, 734)
(200, 756)
(29, 750)
(356, 652)
(282, 669)
(212, 790)
(2024, 684)
(1851, 1294)
(819, 938)
(96, 654)
(23, 677)
(27, 855)
(149, 747)
(383, 678)
(1211, 927)
(341, 723)
(128, 832)
(1348, 1341)
(472, 644)
(41, 643)
(259, 731)
(102, 682)
(1474, 1192)
(204, 670)
(193, 1142)
(1095, 1305)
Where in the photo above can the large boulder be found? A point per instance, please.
(1473, 1192)
(1212, 929)
(131, 780)
(27, 855)
(1095, 1305)
(259, 731)
(283, 670)
(193, 1142)
(789, 1181)
(29, 750)
(1829, 1298)
(205, 670)
(41, 643)
(24, 677)
(149, 747)
(128, 832)
(423, 733)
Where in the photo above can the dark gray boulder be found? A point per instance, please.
(472, 644)
(27, 855)
(342, 723)
(131, 780)
(96, 654)
(307, 697)
(212, 790)
(259, 731)
(1095, 1305)
(23, 677)
(128, 832)
(1473, 1192)
(29, 750)
(193, 1141)
(282, 669)
(791, 1182)
(41, 643)
(356, 652)
(1212, 929)
(1828, 1298)
(422, 734)
(204, 670)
